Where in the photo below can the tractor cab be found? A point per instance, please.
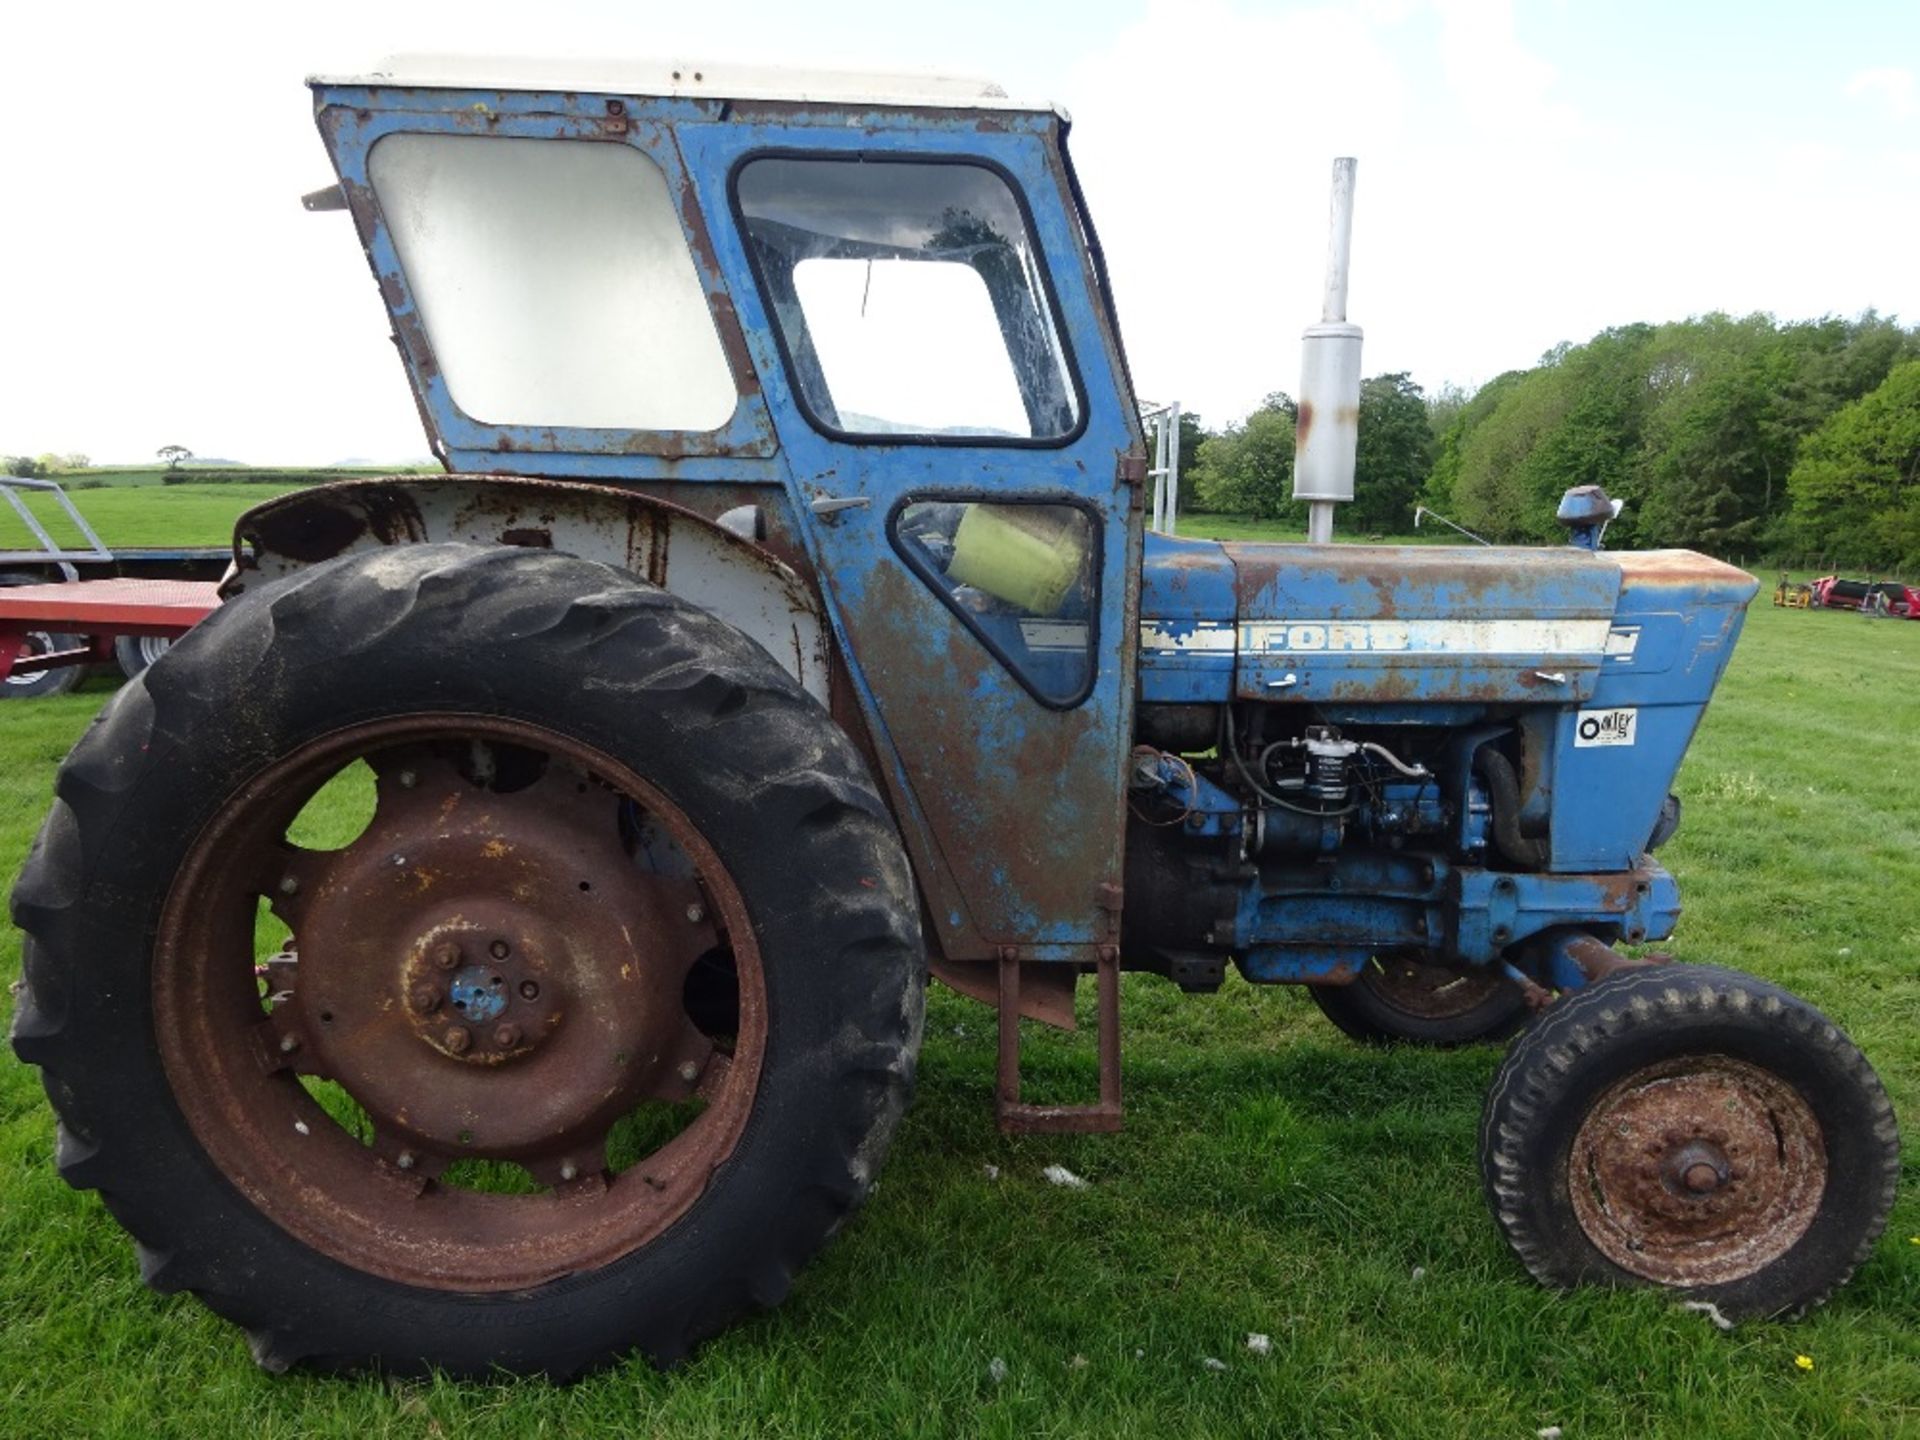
(864, 319)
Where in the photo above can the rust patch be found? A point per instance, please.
(1700, 1170)
(309, 533)
(733, 341)
(588, 956)
(411, 333)
(1046, 988)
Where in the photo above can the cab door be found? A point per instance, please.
(956, 435)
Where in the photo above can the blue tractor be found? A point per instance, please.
(497, 936)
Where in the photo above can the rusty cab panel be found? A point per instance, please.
(873, 330)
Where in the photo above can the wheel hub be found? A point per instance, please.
(537, 997)
(500, 1007)
(1697, 1171)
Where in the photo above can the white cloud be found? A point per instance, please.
(1204, 136)
(1499, 84)
(1889, 88)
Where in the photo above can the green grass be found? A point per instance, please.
(1272, 1178)
(128, 517)
(133, 507)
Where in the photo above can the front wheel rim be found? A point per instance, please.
(1697, 1171)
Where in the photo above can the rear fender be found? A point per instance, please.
(674, 548)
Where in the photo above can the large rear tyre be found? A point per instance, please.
(1402, 1000)
(1691, 1128)
(584, 1043)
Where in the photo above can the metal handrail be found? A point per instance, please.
(1164, 422)
(50, 549)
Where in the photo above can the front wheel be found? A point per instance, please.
(1692, 1128)
(470, 957)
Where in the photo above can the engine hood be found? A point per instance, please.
(1380, 624)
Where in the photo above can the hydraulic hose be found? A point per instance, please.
(1504, 789)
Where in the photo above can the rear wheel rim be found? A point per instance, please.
(485, 973)
(34, 642)
(1697, 1171)
(1427, 991)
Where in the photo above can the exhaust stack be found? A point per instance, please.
(1328, 431)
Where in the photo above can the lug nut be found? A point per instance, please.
(446, 955)
(507, 1036)
(569, 1170)
(457, 1039)
(408, 779)
(696, 914)
(289, 1044)
(425, 999)
(529, 990)
(289, 885)
(499, 949)
(405, 1160)
(689, 1072)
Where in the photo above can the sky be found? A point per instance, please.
(1530, 172)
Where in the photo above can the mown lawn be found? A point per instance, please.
(131, 516)
(1273, 1178)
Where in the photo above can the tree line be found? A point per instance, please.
(1741, 437)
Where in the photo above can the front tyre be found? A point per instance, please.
(577, 1031)
(1691, 1128)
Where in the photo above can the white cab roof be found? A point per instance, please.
(681, 79)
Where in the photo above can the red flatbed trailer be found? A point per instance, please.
(100, 610)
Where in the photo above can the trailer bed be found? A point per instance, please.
(101, 611)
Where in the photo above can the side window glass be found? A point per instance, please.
(1023, 577)
(555, 282)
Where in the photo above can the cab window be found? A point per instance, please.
(909, 299)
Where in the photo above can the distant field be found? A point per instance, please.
(130, 516)
(133, 507)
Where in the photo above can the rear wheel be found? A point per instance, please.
(39, 684)
(134, 653)
(1415, 1001)
(533, 971)
(1690, 1128)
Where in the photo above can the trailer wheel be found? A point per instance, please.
(1690, 1128)
(1401, 1000)
(134, 653)
(41, 683)
(587, 1039)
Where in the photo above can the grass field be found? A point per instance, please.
(128, 517)
(1273, 1178)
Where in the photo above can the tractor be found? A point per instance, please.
(496, 938)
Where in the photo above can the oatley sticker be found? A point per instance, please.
(1604, 727)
